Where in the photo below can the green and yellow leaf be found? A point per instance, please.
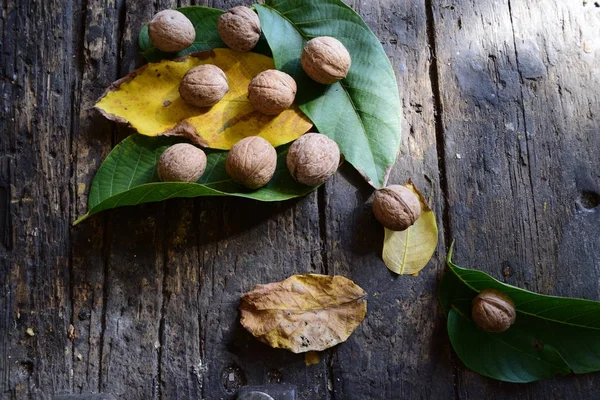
(408, 252)
(148, 99)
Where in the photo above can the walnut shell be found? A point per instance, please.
(239, 28)
(251, 162)
(203, 86)
(171, 31)
(493, 311)
(181, 162)
(325, 60)
(396, 207)
(313, 158)
(272, 92)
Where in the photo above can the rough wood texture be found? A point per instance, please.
(520, 143)
(501, 132)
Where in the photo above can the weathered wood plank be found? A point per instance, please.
(37, 93)
(519, 153)
(91, 142)
(399, 350)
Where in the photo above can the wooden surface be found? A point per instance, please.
(501, 131)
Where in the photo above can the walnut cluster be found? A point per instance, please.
(251, 162)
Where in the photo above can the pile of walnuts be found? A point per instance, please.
(252, 162)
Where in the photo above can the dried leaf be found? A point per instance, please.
(311, 358)
(408, 252)
(304, 312)
(148, 99)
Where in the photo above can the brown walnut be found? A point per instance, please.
(313, 158)
(239, 28)
(251, 162)
(181, 162)
(493, 311)
(272, 92)
(396, 207)
(203, 86)
(325, 60)
(171, 31)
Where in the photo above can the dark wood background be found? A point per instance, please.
(502, 132)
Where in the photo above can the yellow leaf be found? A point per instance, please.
(311, 358)
(304, 312)
(408, 252)
(148, 99)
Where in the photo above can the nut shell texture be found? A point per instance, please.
(493, 311)
(251, 162)
(181, 162)
(396, 207)
(171, 31)
(325, 60)
(272, 91)
(313, 158)
(203, 86)
(239, 28)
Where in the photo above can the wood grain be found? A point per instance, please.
(519, 144)
(500, 131)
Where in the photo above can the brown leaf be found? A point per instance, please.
(304, 312)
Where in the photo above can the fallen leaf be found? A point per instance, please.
(148, 100)
(408, 252)
(304, 312)
(311, 358)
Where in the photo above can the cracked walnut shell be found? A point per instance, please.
(203, 86)
(313, 158)
(325, 60)
(181, 162)
(239, 28)
(493, 311)
(272, 92)
(171, 31)
(396, 207)
(251, 162)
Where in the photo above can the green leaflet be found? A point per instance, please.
(362, 113)
(128, 177)
(551, 335)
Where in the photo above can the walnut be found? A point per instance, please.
(396, 207)
(313, 158)
(203, 86)
(325, 60)
(181, 162)
(251, 162)
(171, 31)
(239, 28)
(493, 311)
(271, 92)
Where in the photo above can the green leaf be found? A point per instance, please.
(204, 20)
(551, 335)
(128, 177)
(362, 112)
